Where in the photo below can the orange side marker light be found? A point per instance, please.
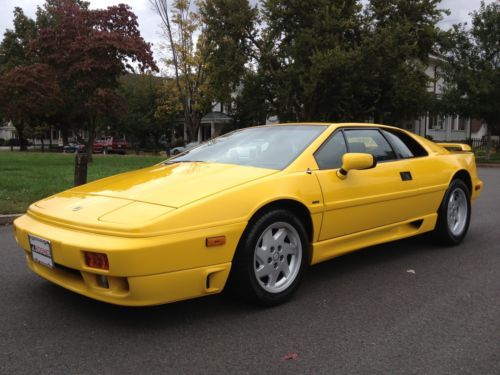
(215, 241)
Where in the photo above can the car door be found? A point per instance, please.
(366, 199)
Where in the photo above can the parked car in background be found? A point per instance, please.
(74, 147)
(108, 145)
(179, 149)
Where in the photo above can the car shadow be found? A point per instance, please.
(225, 306)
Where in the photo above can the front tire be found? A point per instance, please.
(453, 214)
(271, 258)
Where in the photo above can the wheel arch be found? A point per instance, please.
(296, 207)
(465, 177)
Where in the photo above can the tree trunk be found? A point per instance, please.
(43, 144)
(90, 141)
(50, 138)
(20, 134)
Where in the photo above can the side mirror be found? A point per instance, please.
(355, 161)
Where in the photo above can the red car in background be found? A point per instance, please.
(108, 145)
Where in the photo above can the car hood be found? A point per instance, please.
(173, 185)
(143, 195)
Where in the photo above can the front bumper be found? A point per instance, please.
(143, 271)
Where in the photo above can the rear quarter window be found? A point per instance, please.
(404, 145)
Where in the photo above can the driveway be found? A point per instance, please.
(408, 307)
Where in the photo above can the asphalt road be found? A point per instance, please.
(363, 313)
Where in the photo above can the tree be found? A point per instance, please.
(89, 49)
(14, 53)
(14, 47)
(251, 105)
(228, 27)
(399, 37)
(472, 72)
(188, 58)
(28, 96)
(308, 52)
(142, 121)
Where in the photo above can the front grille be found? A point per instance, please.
(71, 271)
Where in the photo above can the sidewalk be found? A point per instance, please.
(8, 219)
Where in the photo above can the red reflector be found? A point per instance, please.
(96, 260)
(477, 187)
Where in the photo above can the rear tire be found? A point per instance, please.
(271, 258)
(453, 215)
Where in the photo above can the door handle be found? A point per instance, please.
(406, 176)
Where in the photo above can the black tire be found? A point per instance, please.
(243, 280)
(442, 233)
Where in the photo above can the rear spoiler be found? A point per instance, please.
(462, 147)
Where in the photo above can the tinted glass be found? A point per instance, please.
(329, 156)
(415, 148)
(399, 146)
(267, 146)
(369, 141)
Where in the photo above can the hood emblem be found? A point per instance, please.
(77, 208)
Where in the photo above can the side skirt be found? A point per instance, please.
(335, 247)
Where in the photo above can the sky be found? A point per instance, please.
(149, 21)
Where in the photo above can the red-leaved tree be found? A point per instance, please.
(88, 50)
(29, 95)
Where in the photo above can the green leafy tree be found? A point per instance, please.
(228, 26)
(14, 47)
(142, 122)
(251, 105)
(472, 71)
(399, 37)
(308, 50)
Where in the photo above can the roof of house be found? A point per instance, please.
(216, 117)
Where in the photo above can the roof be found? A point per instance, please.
(217, 117)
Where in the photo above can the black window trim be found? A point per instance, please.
(379, 129)
(383, 136)
(394, 147)
(324, 143)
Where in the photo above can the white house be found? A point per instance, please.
(7, 131)
(212, 123)
(444, 128)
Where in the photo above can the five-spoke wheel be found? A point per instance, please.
(277, 257)
(454, 214)
(271, 257)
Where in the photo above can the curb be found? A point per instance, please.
(488, 165)
(8, 219)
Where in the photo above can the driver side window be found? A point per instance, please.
(329, 155)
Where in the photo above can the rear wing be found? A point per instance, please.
(461, 147)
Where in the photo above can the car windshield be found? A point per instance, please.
(273, 147)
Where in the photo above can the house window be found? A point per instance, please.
(436, 122)
(462, 122)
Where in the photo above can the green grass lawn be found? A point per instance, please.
(26, 177)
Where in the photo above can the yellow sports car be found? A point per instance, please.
(252, 209)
